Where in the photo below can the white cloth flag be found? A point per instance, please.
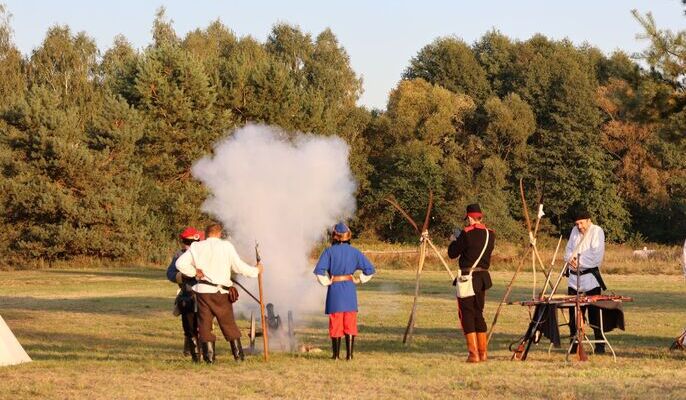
(11, 351)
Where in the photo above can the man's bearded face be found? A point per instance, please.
(582, 225)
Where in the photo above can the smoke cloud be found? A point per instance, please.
(285, 192)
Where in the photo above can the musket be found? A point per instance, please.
(508, 289)
(235, 282)
(550, 271)
(265, 338)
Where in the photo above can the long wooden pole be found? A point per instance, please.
(410, 323)
(531, 247)
(550, 271)
(581, 353)
(263, 317)
(440, 257)
(507, 292)
(265, 338)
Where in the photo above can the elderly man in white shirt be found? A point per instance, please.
(212, 262)
(585, 250)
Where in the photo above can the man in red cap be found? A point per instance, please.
(185, 300)
(474, 245)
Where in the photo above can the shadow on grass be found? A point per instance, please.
(424, 340)
(110, 305)
(81, 347)
(153, 274)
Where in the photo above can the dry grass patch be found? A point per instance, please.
(103, 334)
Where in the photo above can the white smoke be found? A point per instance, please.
(284, 193)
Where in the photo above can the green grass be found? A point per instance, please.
(98, 333)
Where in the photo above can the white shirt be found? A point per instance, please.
(591, 249)
(217, 259)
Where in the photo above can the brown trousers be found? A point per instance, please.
(212, 305)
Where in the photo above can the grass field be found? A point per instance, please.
(102, 334)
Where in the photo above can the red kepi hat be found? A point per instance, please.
(474, 211)
(191, 233)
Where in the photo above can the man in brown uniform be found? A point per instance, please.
(468, 244)
(212, 262)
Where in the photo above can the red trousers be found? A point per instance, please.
(343, 323)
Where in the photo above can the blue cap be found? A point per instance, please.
(341, 228)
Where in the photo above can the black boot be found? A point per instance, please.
(208, 352)
(349, 346)
(237, 349)
(187, 346)
(336, 348)
(600, 348)
(193, 348)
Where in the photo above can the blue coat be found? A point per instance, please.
(171, 272)
(342, 259)
(171, 269)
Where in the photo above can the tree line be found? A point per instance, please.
(96, 147)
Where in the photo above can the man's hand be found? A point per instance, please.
(259, 267)
(199, 274)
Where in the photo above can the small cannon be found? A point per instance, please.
(285, 335)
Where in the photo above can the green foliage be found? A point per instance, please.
(510, 124)
(95, 152)
(450, 62)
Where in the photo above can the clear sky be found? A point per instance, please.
(379, 36)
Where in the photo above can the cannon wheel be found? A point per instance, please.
(253, 332)
(291, 333)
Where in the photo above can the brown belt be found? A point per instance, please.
(477, 269)
(341, 278)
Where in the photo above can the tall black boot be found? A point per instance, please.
(349, 346)
(237, 349)
(240, 349)
(187, 346)
(208, 352)
(193, 348)
(336, 348)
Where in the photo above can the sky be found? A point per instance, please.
(379, 36)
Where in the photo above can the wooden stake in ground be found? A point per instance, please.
(424, 239)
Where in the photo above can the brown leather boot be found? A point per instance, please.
(482, 340)
(472, 347)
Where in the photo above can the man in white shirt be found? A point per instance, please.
(212, 262)
(585, 250)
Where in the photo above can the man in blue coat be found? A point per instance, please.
(185, 301)
(335, 270)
